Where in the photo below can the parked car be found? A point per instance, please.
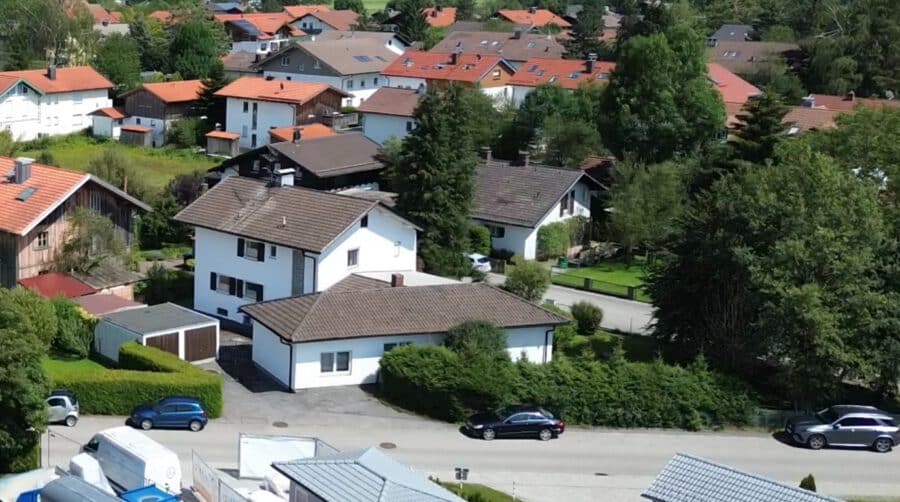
(516, 421)
(171, 412)
(845, 425)
(480, 262)
(63, 407)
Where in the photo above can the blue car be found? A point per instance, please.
(174, 412)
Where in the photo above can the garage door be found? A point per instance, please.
(200, 343)
(167, 342)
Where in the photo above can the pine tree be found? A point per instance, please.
(209, 105)
(759, 129)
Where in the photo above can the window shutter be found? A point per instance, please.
(260, 296)
(240, 247)
(262, 251)
(232, 285)
(240, 288)
(212, 281)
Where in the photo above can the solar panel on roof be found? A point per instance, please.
(362, 59)
(26, 194)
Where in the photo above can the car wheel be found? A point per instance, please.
(195, 425)
(146, 424)
(545, 435)
(816, 442)
(71, 420)
(488, 434)
(883, 445)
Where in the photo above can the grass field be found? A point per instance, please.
(611, 277)
(156, 166)
(56, 364)
(488, 494)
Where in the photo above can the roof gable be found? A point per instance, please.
(338, 19)
(72, 79)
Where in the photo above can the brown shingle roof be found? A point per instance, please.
(295, 217)
(519, 195)
(391, 101)
(349, 56)
(808, 119)
(337, 19)
(746, 56)
(242, 62)
(329, 156)
(849, 103)
(354, 313)
(502, 44)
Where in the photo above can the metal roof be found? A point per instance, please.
(73, 489)
(162, 317)
(246, 26)
(692, 479)
(363, 476)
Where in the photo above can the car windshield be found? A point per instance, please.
(484, 260)
(827, 415)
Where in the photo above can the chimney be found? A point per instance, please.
(396, 280)
(809, 101)
(517, 34)
(22, 170)
(218, 126)
(439, 8)
(591, 59)
(524, 158)
(51, 72)
(298, 134)
(281, 86)
(851, 96)
(454, 58)
(434, 12)
(284, 176)
(421, 89)
(477, 57)
(712, 41)
(532, 10)
(486, 153)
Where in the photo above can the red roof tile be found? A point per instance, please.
(440, 17)
(281, 91)
(51, 186)
(568, 73)
(111, 112)
(101, 15)
(848, 103)
(269, 23)
(539, 17)
(298, 11)
(176, 92)
(102, 304)
(733, 88)
(57, 284)
(77, 78)
(307, 131)
(136, 128)
(223, 135)
(437, 66)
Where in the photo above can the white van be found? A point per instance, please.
(132, 460)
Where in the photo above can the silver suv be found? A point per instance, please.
(845, 425)
(63, 407)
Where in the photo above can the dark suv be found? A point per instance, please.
(845, 425)
(516, 421)
(174, 412)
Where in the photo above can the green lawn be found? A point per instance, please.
(57, 364)
(156, 166)
(488, 494)
(610, 277)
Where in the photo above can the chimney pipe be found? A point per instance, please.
(524, 158)
(396, 280)
(297, 135)
(486, 153)
(22, 170)
(454, 58)
(51, 72)
(532, 10)
(517, 33)
(591, 59)
(851, 96)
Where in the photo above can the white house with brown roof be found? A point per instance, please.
(388, 113)
(337, 337)
(51, 102)
(326, 20)
(258, 240)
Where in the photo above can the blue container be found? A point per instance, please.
(148, 493)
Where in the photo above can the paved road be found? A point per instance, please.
(581, 466)
(618, 314)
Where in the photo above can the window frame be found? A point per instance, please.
(353, 258)
(285, 60)
(260, 247)
(44, 236)
(256, 288)
(497, 231)
(220, 278)
(334, 356)
(393, 345)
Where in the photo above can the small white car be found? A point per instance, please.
(63, 407)
(480, 262)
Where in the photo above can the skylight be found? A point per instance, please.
(532, 69)
(531, 45)
(26, 194)
(574, 74)
(553, 79)
(362, 59)
(381, 59)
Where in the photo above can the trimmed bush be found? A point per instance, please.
(553, 240)
(29, 461)
(528, 280)
(587, 317)
(808, 483)
(423, 379)
(480, 239)
(477, 337)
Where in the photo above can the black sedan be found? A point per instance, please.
(518, 421)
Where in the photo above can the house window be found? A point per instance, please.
(316, 64)
(253, 292)
(137, 120)
(409, 125)
(224, 284)
(496, 75)
(246, 106)
(375, 82)
(243, 131)
(285, 60)
(390, 346)
(253, 141)
(334, 362)
(497, 232)
(251, 250)
(350, 84)
(362, 84)
(563, 205)
(352, 258)
(572, 202)
(42, 240)
(300, 67)
(263, 47)
(364, 222)
(273, 251)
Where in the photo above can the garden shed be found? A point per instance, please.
(186, 333)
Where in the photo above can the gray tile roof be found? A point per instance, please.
(108, 275)
(733, 32)
(162, 317)
(530, 45)
(519, 195)
(295, 217)
(692, 479)
(356, 313)
(354, 282)
(363, 476)
(347, 56)
(336, 155)
(392, 101)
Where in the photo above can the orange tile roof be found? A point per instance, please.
(342, 20)
(51, 187)
(437, 66)
(223, 135)
(177, 91)
(268, 23)
(568, 73)
(298, 11)
(440, 17)
(163, 16)
(733, 88)
(111, 112)
(281, 91)
(101, 15)
(539, 18)
(136, 128)
(848, 104)
(306, 132)
(77, 78)
(809, 119)
(57, 284)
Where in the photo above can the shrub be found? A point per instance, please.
(587, 317)
(808, 483)
(502, 254)
(74, 328)
(528, 280)
(184, 132)
(423, 379)
(579, 230)
(28, 313)
(553, 240)
(477, 338)
(480, 239)
(28, 461)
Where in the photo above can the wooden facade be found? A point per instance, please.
(143, 103)
(326, 103)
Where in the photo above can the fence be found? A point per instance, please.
(573, 280)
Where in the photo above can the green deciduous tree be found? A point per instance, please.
(113, 166)
(354, 5)
(759, 129)
(567, 141)
(553, 240)
(196, 47)
(43, 30)
(74, 333)
(8, 145)
(528, 280)
(118, 60)
(91, 240)
(479, 239)
(585, 35)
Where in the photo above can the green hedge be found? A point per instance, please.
(28, 461)
(618, 393)
(148, 374)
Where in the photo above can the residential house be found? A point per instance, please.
(439, 17)
(51, 102)
(515, 199)
(415, 69)
(107, 122)
(515, 48)
(734, 33)
(225, 7)
(319, 21)
(533, 17)
(734, 90)
(567, 73)
(106, 22)
(337, 337)
(846, 103)
(393, 41)
(352, 65)
(35, 203)
(164, 17)
(259, 32)
(157, 106)
(255, 105)
(256, 240)
(686, 477)
(389, 113)
(802, 119)
(820, 111)
(749, 57)
(329, 162)
(241, 64)
(361, 476)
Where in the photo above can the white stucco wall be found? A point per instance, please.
(261, 46)
(158, 126)
(268, 115)
(270, 354)
(530, 343)
(518, 94)
(379, 127)
(105, 127)
(109, 338)
(388, 243)
(26, 113)
(405, 82)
